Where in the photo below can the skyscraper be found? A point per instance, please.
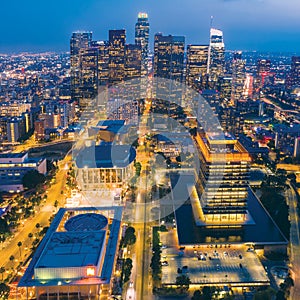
(262, 72)
(133, 61)
(216, 57)
(169, 64)
(295, 72)
(88, 86)
(223, 180)
(117, 41)
(169, 56)
(142, 38)
(79, 40)
(196, 66)
(103, 61)
(238, 78)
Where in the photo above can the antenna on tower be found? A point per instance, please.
(211, 21)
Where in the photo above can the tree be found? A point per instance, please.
(197, 295)
(20, 245)
(183, 281)
(4, 291)
(266, 294)
(127, 267)
(2, 270)
(30, 235)
(129, 238)
(208, 292)
(11, 258)
(55, 203)
(33, 178)
(3, 226)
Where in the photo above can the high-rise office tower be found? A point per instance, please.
(117, 41)
(88, 85)
(133, 61)
(238, 78)
(295, 72)
(103, 61)
(79, 40)
(142, 38)
(169, 64)
(216, 57)
(133, 71)
(262, 72)
(196, 66)
(224, 86)
(223, 180)
(169, 56)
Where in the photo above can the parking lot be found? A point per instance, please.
(207, 264)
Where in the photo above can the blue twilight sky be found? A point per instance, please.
(39, 25)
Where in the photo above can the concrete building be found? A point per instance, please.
(13, 166)
(76, 258)
(104, 167)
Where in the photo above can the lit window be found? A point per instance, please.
(90, 271)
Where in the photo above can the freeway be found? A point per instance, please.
(294, 242)
(45, 211)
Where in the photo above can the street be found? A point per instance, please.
(294, 242)
(42, 217)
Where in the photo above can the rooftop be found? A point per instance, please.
(61, 249)
(72, 249)
(106, 156)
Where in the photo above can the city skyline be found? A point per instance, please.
(259, 25)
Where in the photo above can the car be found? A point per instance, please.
(250, 250)
(164, 246)
(164, 263)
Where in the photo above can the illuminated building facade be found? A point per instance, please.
(238, 78)
(295, 72)
(216, 57)
(103, 61)
(142, 38)
(224, 86)
(104, 166)
(169, 56)
(169, 64)
(133, 61)
(13, 166)
(196, 66)
(117, 41)
(262, 72)
(79, 40)
(223, 181)
(76, 258)
(88, 75)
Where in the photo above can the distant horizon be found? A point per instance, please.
(36, 52)
(256, 25)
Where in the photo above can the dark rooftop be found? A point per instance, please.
(106, 156)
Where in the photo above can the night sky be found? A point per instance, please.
(41, 25)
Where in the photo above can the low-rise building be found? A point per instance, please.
(13, 167)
